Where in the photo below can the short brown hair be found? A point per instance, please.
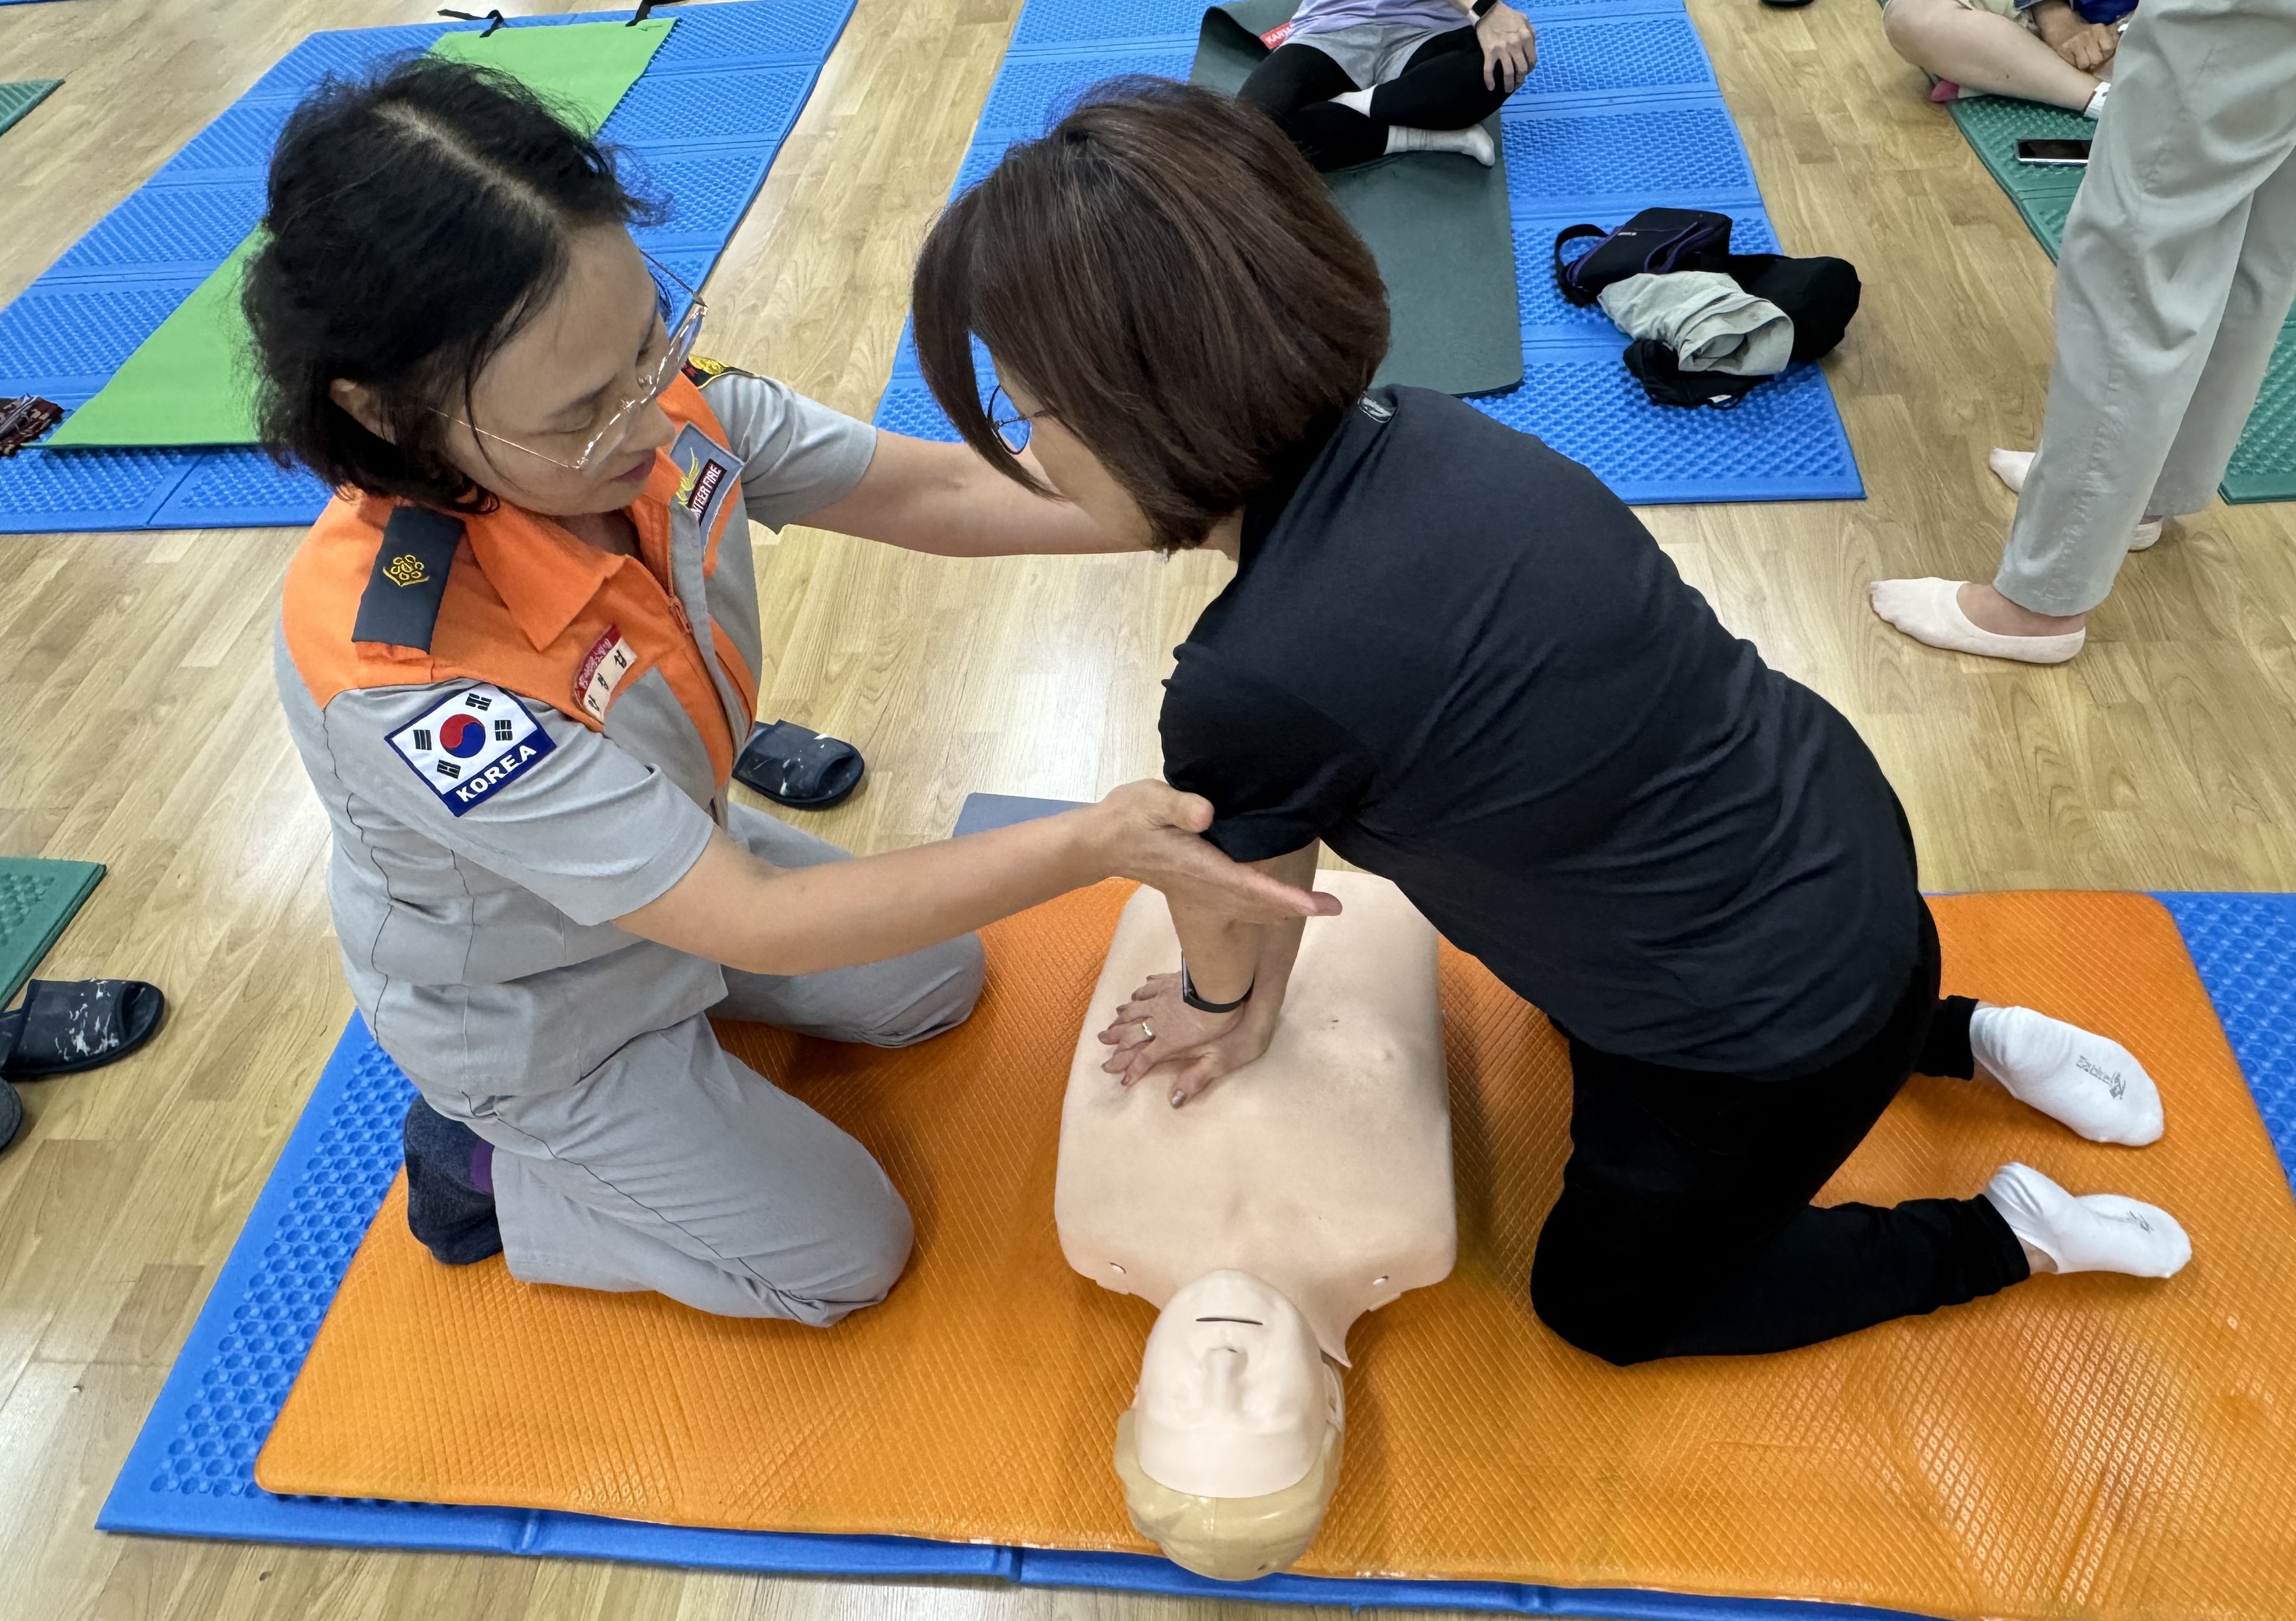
(1169, 278)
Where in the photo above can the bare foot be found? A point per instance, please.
(1988, 610)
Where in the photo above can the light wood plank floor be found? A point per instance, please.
(138, 726)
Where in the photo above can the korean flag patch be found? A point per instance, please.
(472, 746)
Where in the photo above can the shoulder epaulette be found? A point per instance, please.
(701, 371)
(400, 604)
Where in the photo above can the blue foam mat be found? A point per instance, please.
(191, 1470)
(1622, 113)
(699, 128)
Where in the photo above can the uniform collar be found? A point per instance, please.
(544, 575)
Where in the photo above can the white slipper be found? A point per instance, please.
(2011, 466)
(1929, 610)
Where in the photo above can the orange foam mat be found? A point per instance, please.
(2076, 1447)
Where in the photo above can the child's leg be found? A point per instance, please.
(1440, 87)
(1294, 86)
(1984, 51)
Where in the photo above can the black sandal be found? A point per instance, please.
(63, 1026)
(792, 766)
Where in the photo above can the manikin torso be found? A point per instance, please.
(1323, 1169)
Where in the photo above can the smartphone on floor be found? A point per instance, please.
(2053, 153)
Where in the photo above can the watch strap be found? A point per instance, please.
(1188, 995)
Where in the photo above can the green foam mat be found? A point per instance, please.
(1439, 227)
(2264, 467)
(187, 384)
(37, 898)
(21, 97)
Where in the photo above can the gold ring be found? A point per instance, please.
(1146, 1035)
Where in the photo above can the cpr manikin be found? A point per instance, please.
(1262, 1220)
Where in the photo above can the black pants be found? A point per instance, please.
(1686, 1229)
(1440, 87)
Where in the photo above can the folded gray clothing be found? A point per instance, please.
(1711, 323)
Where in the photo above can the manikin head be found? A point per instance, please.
(1231, 1450)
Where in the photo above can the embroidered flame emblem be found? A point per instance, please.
(685, 484)
(406, 570)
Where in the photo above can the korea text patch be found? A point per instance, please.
(472, 746)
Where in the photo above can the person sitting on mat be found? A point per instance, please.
(1456, 657)
(518, 652)
(2036, 50)
(1357, 79)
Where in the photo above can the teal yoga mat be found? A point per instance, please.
(36, 900)
(1439, 224)
(21, 97)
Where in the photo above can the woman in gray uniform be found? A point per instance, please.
(518, 653)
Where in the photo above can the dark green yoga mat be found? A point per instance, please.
(2264, 467)
(1437, 223)
(36, 900)
(185, 385)
(20, 98)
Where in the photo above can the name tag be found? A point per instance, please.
(471, 746)
(707, 472)
(609, 659)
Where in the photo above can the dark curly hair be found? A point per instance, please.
(416, 220)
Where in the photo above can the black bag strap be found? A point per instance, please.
(1577, 233)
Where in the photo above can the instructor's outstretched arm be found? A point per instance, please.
(736, 910)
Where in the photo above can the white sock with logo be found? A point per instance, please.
(2086, 1081)
(1472, 142)
(2100, 1232)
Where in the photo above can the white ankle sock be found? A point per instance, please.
(2095, 108)
(1357, 101)
(2086, 1081)
(2102, 1232)
(2011, 466)
(1929, 610)
(1472, 142)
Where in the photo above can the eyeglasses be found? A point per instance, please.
(1013, 424)
(603, 438)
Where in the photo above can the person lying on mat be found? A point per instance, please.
(1357, 79)
(517, 654)
(1456, 658)
(2037, 49)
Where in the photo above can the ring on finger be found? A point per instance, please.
(1146, 1035)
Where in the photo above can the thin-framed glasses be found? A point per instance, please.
(1013, 424)
(604, 438)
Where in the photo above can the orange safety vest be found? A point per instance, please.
(512, 598)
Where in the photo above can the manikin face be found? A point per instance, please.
(1235, 1398)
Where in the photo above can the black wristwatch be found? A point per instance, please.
(1483, 5)
(1188, 995)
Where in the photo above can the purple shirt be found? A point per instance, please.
(1330, 16)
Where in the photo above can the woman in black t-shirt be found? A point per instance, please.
(1457, 659)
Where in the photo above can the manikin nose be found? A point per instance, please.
(1226, 1371)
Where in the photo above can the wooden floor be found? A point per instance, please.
(138, 725)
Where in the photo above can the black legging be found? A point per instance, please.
(1686, 1229)
(1440, 87)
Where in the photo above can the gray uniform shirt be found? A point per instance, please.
(484, 841)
